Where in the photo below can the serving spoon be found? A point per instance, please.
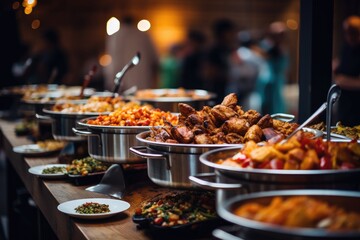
(118, 77)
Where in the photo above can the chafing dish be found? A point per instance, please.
(348, 200)
(171, 164)
(110, 143)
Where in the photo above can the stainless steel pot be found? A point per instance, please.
(169, 164)
(42, 100)
(62, 124)
(111, 143)
(232, 181)
(276, 176)
(348, 200)
(201, 98)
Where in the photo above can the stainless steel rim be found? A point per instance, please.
(83, 123)
(205, 156)
(85, 114)
(224, 210)
(203, 96)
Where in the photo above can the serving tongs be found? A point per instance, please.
(333, 95)
(119, 76)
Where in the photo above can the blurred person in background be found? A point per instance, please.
(122, 46)
(49, 64)
(347, 73)
(170, 67)
(19, 66)
(217, 66)
(192, 64)
(247, 69)
(274, 46)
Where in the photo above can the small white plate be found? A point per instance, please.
(33, 150)
(37, 170)
(115, 206)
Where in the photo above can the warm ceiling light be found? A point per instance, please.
(143, 25)
(105, 60)
(112, 26)
(28, 10)
(292, 24)
(29, 3)
(15, 5)
(35, 24)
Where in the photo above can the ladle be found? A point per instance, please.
(118, 77)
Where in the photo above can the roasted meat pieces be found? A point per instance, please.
(223, 123)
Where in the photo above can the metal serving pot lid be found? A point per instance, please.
(199, 95)
(350, 200)
(274, 175)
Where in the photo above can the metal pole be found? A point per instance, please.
(315, 52)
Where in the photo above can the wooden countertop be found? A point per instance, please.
(47, 194)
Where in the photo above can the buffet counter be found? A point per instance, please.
(48, 194)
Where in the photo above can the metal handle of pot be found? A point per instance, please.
(138, 150)
(223, 235)
(199, 181)
(84, 133)
(283, 117)
(38, 116)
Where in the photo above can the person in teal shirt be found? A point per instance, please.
(278, 62)
(170, 67)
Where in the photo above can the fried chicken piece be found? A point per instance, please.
(230, 100)
(198, 129)
(265, 122)
(209, 125)
(254, 133)
(182, 134)
(186, 109)
(218, 138)
(239, 110)
(162, 135)
(208, 119)
(171, 141)
(236, 125)
(195, 119)
(222, 113)
(234, 138)
(203, 139)
(251, 116)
